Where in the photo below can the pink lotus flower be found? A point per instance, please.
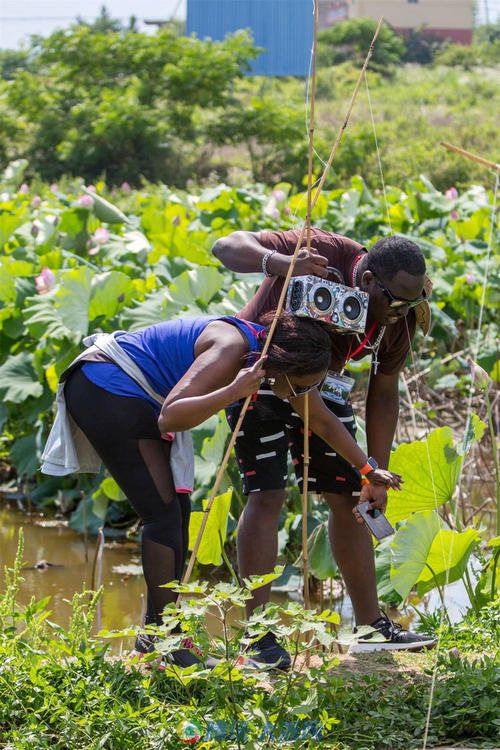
(279, 196)
(453, 215)
(479, 377)
(275, 214)
(101, 236)
(176, 220)
(53, 187)
(126, 187)
(91, 188)
(45, 281)
(94, 250)
(287, 210)
(23, 189)
(452, 193)
(470, 279)
(36, 201)
(85, 201)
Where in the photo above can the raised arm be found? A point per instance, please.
(243, 252)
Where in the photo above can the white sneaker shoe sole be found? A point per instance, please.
(363, 647)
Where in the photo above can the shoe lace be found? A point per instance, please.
(394, 627)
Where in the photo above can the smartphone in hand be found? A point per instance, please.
(375, 520)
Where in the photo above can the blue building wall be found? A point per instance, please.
(284, 28)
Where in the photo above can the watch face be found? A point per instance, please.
(372, 463)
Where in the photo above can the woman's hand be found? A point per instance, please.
(386, 478)
(248, 380)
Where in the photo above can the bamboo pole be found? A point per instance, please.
(279, 308)
(305, 481)
(305, 473)
(469, 155)
(311, 125)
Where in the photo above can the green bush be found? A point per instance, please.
(350, 41)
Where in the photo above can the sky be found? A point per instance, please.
(20, 18)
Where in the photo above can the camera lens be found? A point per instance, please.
(351, 308)
(322, 299)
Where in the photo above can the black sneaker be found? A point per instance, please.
(266, 652)
(394, 638)
(188, 656)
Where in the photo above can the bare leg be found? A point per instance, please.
(352, 548)
(257, 540)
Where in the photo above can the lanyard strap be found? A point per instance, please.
(365, 340)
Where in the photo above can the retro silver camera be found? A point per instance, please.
(338, 305)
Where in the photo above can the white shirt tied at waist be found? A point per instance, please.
(68, 450)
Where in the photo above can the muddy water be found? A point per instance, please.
(59, 545)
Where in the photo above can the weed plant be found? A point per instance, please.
(62, 688)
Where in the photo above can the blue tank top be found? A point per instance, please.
(164, 352)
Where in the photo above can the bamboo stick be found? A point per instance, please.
(469, 155)
(305, 482)
(278, 310)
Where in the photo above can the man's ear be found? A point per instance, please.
(367, 279)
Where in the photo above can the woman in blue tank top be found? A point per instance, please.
(198, 366)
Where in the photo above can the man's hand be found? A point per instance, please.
(376, 494)
(310, 263)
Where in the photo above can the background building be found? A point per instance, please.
(450, 19)
(284, 28)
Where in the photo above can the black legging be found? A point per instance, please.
(124, 432)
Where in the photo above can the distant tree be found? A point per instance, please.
(132, 105)
(422, 46)
(351, 39)
(104, 24)
(13, 60)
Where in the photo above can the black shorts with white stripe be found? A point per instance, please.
(271, 429)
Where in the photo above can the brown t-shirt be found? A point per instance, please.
(341, 253)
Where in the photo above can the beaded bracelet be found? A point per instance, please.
(264, 263)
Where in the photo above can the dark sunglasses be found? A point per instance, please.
(299, 390)
(395, 303)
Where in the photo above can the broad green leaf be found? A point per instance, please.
(410, 548)
(100, 503)
(487, 586)
(72, 299)
(209, 551)
(9, 222)
(214, 447)
(108, 292)
(24, 455)
(10, 271)
(383, 559)
(448, 558)
(18, 380)
(43, 320)
(430, 470)
(149, 311)
(321, 562)
(200, 285)
(111, 489)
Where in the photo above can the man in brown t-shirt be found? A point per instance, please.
(393, 274)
